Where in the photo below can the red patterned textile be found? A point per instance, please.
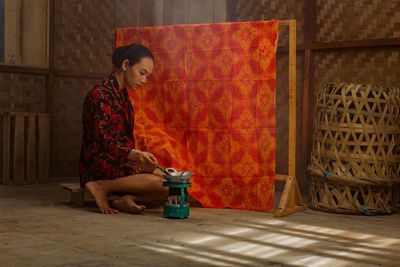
(209, 107)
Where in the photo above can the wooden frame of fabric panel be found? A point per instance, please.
(291, 200)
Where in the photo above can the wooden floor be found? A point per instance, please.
(39, 228)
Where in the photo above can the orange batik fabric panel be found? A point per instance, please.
(209, 107)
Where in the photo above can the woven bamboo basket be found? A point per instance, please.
(355, 157)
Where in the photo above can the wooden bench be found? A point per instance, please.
(77, 193)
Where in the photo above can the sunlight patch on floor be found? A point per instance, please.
(293, 243)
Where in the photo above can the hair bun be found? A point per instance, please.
(118, 55)
(133, 52)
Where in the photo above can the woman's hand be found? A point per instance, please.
(145, 159)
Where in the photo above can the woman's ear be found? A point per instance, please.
(125, 64)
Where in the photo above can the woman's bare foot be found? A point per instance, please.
(100, 195)
(127, 203)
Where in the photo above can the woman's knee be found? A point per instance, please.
(155, 182)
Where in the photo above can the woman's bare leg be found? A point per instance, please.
(144, 187)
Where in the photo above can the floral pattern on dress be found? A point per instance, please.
(107, 138)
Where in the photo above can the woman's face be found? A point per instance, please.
(136, 75)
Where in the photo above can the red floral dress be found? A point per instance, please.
(108, 120)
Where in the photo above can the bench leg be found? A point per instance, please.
(78, 198)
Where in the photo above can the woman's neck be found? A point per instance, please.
(119, 75)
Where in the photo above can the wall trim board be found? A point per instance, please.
(23, 69)
(355, 44)
(78, 74)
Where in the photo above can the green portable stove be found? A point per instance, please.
(177, 206)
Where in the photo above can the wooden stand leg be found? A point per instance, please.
(291, 200)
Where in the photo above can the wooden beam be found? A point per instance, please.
(18, 155)
(31, 145)
(43, 147)
(292, 99)
(305, 129)
(6, 148)
(23, 69)
(285, 51)
(310, 23)
(78, 74)
(50, 78)
(355, 44)
(286, 22)
(281, 177)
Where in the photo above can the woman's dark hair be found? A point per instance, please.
(133, 52)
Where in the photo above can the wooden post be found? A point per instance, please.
(43, 147)
(31, 144)
(6, 148)
(292, 99)
(291, 200)
(306, 112)
(18, 152)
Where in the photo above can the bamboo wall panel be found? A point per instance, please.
(133, 13)
(250, 10)
(25, 32)
(357, 20)
(84, 35)
(357, 66)
(12, 28)
(189, 11)
(22, 92)
(69, 93)
(34, 32)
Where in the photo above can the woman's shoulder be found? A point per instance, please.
(101, 89)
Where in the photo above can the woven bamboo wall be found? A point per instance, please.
(69, 93)
(22, 92)
(357, 20)
(129, 13)
(170, 12)
(84, 35)
(84, 41)
(369, 19)
(85, 30)
(368, 65)
(250, 10)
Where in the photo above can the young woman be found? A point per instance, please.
(109, 162)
